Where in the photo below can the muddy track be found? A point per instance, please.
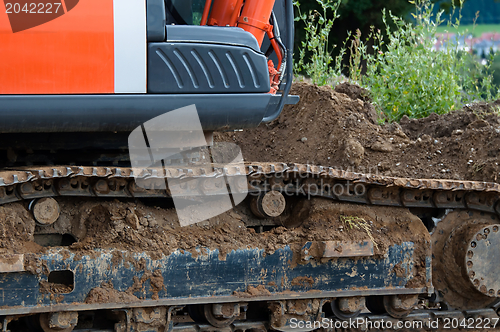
(310, 180)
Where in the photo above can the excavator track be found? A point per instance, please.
(477, 205)
(30, 183)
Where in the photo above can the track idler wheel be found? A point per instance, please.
(58, 321)
(481, 261)
(217, 315)
(348, 307)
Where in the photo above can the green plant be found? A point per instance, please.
(315, 57)
(400, 66)
(357, 51)
(406, 76)
(353, 222)
(476, 168)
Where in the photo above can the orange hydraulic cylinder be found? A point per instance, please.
(222, 11)
(236, 13)
(255, 17)
(206, 11)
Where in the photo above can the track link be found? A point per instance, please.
(308, 180)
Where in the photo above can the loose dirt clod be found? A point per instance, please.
(354, 152)
(252, 291)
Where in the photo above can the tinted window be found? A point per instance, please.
(186, 11)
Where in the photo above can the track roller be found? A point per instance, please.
(217, 315)
(269, 205)
(400, 306)
(347, 307)
(45, 210)
(396, 306)
(58, 321)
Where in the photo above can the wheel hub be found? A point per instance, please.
(483, 250)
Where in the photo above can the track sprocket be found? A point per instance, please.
(451, 262)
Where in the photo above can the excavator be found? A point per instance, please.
(90, 238)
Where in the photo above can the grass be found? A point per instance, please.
(477, 30)
(476, 168)
(353, 222)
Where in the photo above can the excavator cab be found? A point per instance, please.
(83, 77)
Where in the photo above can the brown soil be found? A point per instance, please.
(252, 291)
(54, 288)
(135, 227)
(339, 129)
(107, 294)
(17, 228)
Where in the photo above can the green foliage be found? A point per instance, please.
(315, 56)
(350, 16)
(399, 66)
(407, 77)
(495, 68)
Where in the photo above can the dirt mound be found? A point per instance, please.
(445, 125)
(339, 129)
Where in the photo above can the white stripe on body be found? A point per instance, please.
(129, 17)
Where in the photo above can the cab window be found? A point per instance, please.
(185, 11)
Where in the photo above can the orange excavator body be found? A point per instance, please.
(58, 56)
(222, 11)
(100, 68)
